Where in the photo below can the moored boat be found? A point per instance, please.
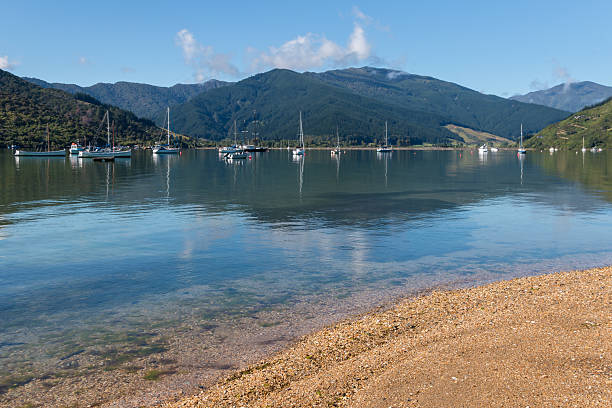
(49, 152)
(166, 149)
(521, 150)
(76, 148)
(386, 148)
(299, 151)
(336, 151)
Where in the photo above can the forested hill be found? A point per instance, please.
(593, 123)
(276, 97)
(144, 100)
(359, 100)
(458, 104)
(26, 109)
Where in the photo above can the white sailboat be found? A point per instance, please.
(166, 149)
(49, 152)
(299, 151)
(337, 150)
(233, 152)
(521, 150)
(233, 148)
(483, 149)
(386, 147)
(583, 148)
(100, 153)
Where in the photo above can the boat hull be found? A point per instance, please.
(56, 153)
(166, 151)
(122, 154)
(92, 155)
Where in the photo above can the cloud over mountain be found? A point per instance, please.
(5, 63)
(205, 61)
(311, 51)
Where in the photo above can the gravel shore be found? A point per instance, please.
(543, 341)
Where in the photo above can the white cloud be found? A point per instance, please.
(563, 74)
(6, 64)
(367, 20)
(203, 59)
(361, 15)
(537, 85)
(358, 44)
(395, 74)
(83, 61)
(314, 51)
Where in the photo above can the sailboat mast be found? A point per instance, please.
(337, 136)
(107, 130)
(48, 143)
(168, 126)
(301, 131)
(521, 135)
(235, 132)
(386, 138)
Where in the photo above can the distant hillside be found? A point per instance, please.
(277, 97)
(460, 105)
(26, 109)
(143, 100)
(594, 124)
(569, 97)
(359, 100)
(475, 137)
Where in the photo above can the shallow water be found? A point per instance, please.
(91, 252)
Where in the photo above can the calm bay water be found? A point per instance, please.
(155, 241)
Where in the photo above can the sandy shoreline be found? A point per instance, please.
(531, 341)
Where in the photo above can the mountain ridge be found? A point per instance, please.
(212, 114)
(358, 99)
(143, 100)
(571, 97)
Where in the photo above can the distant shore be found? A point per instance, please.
(532, 341)
(374, 148)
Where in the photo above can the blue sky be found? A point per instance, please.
(498, 47)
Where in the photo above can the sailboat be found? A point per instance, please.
(583, 148)
(100, 153)
(233, 148)
(299, 151)
(337, 150)
(160, 149)
(483, 149)
(47, 153)
(386, 147)
(521, 150)
(233, 152)
(118, 151)
(255, 138)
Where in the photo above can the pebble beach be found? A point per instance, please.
(542, 341)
